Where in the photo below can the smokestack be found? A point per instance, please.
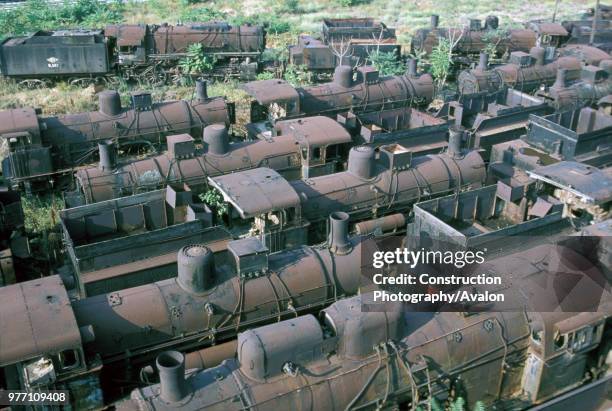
(338, 233)
(171, 368)
(455, 140)
(538, 54)
(412, 68)
(361, 162)
(109, 103)
(435, 21)
(343, 76)
(108, 156)
(196, 268)
(201, 90)
(483, 62)
(216, 140)
(560, 81)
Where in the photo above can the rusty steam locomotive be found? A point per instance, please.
(141, 52)
(41, 149)
(350, 358)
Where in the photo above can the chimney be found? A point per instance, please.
(412, 68)
(343, 76)
(201, 90)
(455, 140)
(483, 62)
(435, 21)
(108, 156)
(538, 54)
(171, 368)
(338, 240)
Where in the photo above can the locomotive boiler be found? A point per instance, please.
(304, 147)
(360, 91)
(41, 148)
(152, 50)
(525, 72)
(179, 165)
(58, 343)
(360, 354)
(285, 212)
(595, 83)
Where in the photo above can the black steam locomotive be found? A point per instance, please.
(134, 52)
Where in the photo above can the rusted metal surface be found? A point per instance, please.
(123, 243)
(56, 54)
(474, 38)
(595, 83)
(296, 280)
(581, 135)
(522, 74)
(41, 146)
(493, 118)
(357, 38)
(279, 149)
(339, 363)
(36, 320)
(305, 147)
(277, 99)
(587, 54)
(590, 184)
(255, 192)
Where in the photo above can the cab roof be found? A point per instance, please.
(36, 319)
(256, 191)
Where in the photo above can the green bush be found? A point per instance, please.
(273, 23)
(37, 15)
(441, 61)
(298, 75)
(202, 14)
(197, 61)
(266, 75)
(387, 63)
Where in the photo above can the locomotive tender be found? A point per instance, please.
(348, 41)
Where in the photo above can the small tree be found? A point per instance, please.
(197, 61)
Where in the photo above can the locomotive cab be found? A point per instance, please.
(272, 100)
(46, 352)
(263, 199)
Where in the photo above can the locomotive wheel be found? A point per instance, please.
(82, 82)
(155, 76)
(33, 84)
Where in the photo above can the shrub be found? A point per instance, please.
(387, 63)
(273, 23)
(197, 61)
(298, 75)
(37, 15)
(441, 61)
(202, 14)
